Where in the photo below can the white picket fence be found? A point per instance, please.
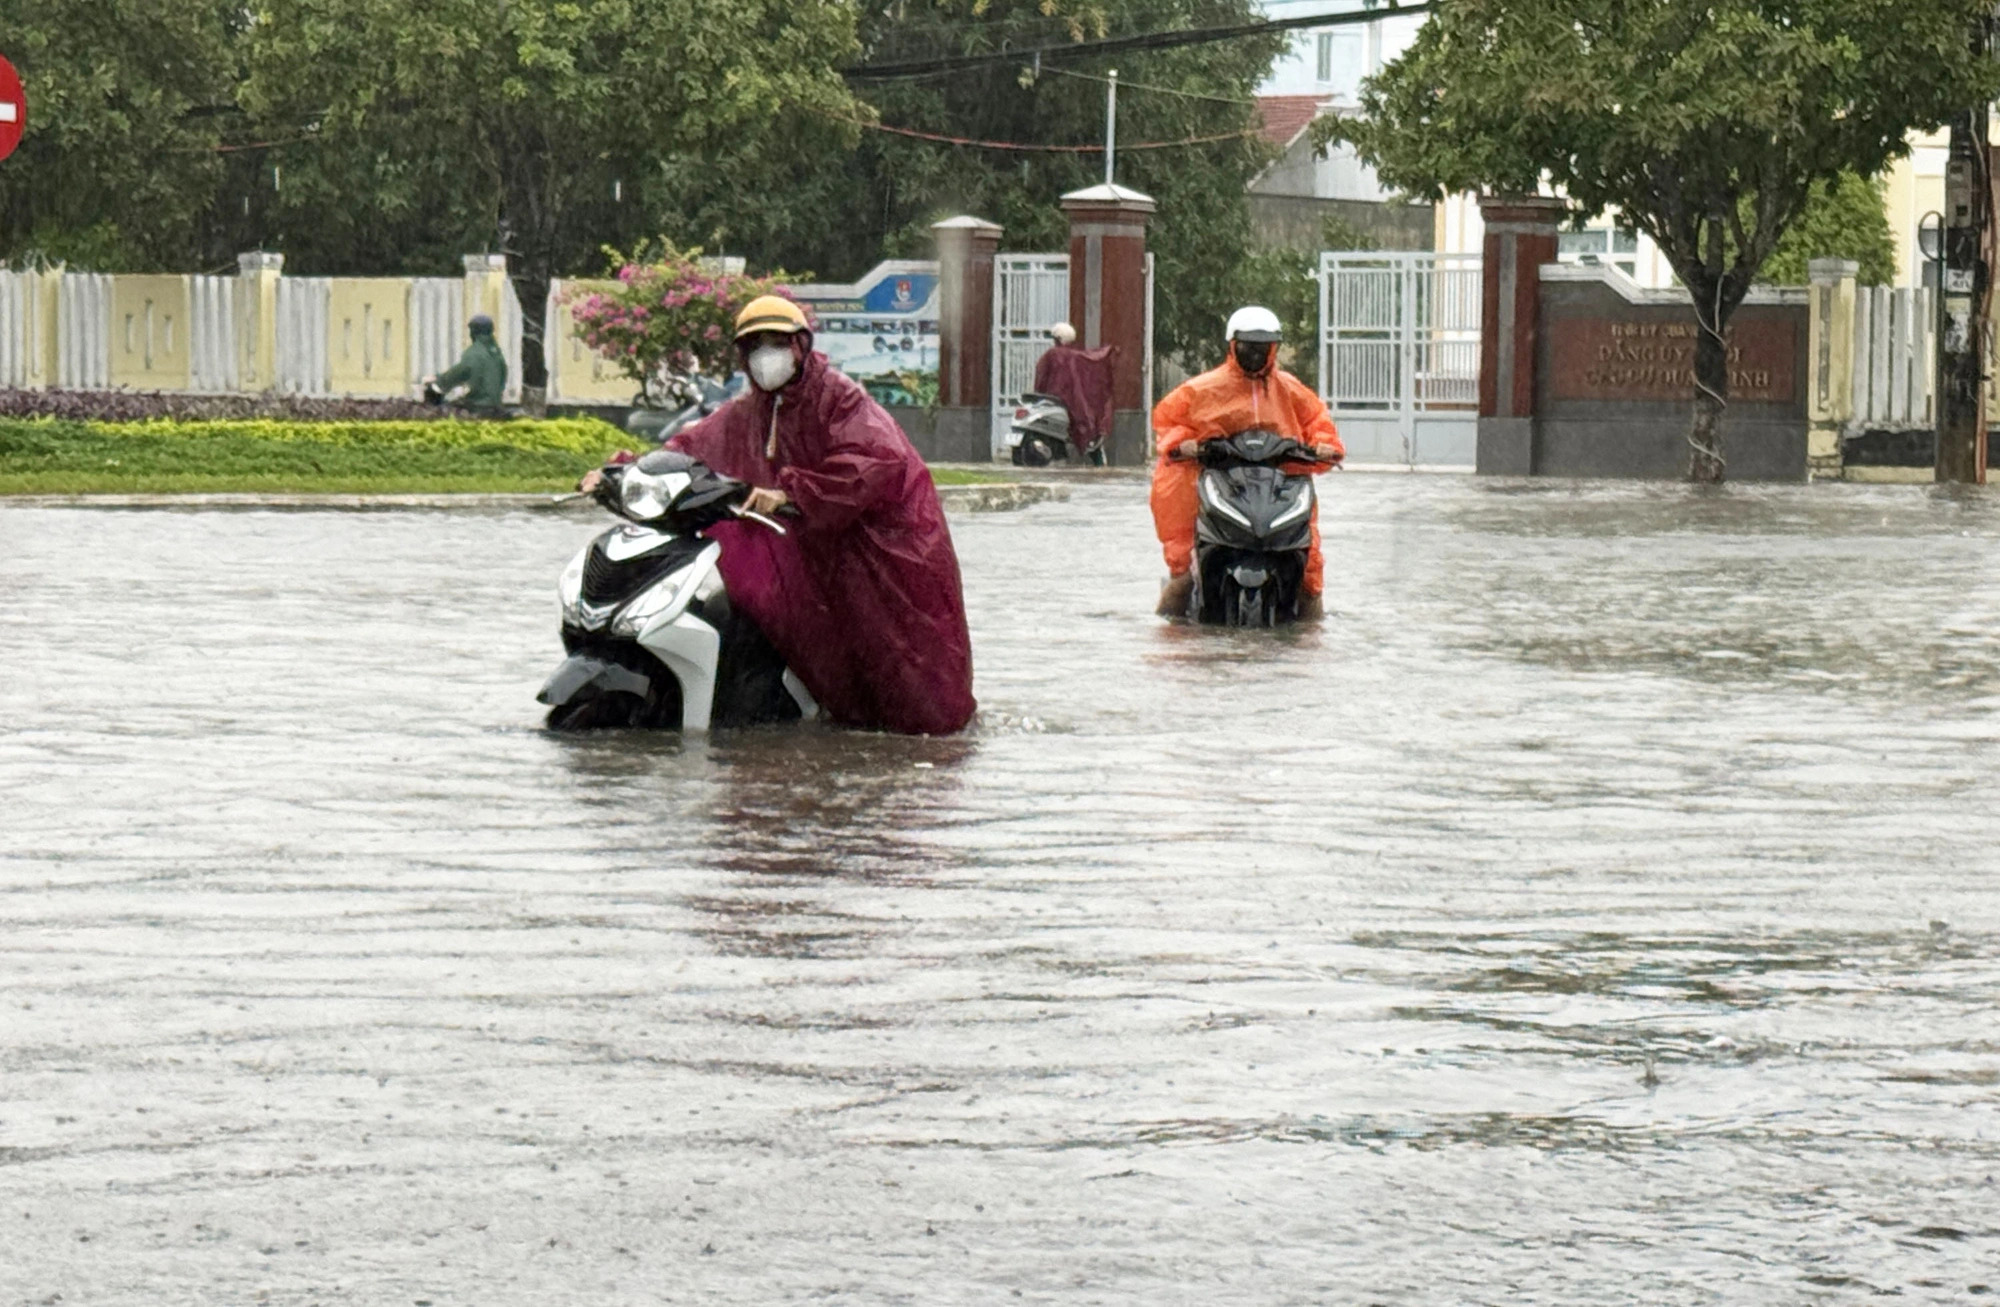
(437, 326)
(20, 347)
(1895, 357)
(304, 307)
(83, 331)
(212, 358)
(218, 334)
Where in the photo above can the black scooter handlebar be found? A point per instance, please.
(1220, 453)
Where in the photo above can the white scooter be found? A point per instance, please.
(646, 620)
(1039, 435)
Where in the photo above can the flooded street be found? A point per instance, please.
(1601, 908)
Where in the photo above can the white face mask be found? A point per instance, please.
(772, 366)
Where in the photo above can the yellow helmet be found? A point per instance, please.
(770, 313)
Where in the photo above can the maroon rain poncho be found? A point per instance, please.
(1081, 379)
(862, 597)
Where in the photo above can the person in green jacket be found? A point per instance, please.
(481, 370)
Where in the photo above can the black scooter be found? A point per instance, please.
(1253, 530)
(646, 620)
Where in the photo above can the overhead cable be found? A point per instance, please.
(1140, 41)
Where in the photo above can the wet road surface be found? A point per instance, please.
(1600, 909)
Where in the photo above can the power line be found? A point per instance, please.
(1127, 85)
(1025, 147)
(1142, 41)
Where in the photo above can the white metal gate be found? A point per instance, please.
(1030, 295)
(1895, 357)
(1399, 355)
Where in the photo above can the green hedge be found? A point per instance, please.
(50, 456)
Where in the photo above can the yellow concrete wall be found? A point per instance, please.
(368, 336)
(150, 319)
(1914, 186)
(583, 375)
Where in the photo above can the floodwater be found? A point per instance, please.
(1600, 909)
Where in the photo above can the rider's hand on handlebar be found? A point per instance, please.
(765, 501)
(591, 481)
(1327, 454)
(1187, 449)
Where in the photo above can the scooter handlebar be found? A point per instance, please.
(1215, 453)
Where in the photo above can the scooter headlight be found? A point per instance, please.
(1206, 487)
(569, 590)
(644, 496)
(657, 598)
(1294, 513)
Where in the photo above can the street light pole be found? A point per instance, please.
(1111, 128)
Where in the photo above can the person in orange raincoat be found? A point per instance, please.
(1249, 392)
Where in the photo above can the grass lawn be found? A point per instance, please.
(52, 457)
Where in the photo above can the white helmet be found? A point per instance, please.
(1063, 334)
(1254, 323)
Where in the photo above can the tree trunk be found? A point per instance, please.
(1712, 307)
(1711, 399)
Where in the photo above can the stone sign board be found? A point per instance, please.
(1648, 359)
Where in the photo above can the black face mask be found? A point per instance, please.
(1253, 356)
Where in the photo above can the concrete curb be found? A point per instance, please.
(994, 497)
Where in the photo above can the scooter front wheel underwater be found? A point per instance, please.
(1252, 608)
(599, 712)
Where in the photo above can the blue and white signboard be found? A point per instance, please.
(886, 322)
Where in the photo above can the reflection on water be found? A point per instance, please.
(1598, 909)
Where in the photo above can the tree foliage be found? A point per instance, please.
(838, 212)
(382, 137)
(519, 126)
(1845, 220)
(1709, 124)
(127, 100)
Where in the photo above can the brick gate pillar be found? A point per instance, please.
(1107, 303)
(966, 246)
(1520, 238)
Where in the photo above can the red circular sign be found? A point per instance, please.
(13, 108)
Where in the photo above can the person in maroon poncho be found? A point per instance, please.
(1081, 379)
(862, 597)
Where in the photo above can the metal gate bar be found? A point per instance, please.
(1399, 354)
(1030, 295)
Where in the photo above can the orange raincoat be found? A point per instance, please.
(1223, 402)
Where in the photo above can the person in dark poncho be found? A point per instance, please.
(1081, 379)
(863, 596)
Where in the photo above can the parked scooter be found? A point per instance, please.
(673, 405)
(1039, 435)
(1253, 530)
(646, 620)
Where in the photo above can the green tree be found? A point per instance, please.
(1844, 220)
(412, 133)
(837, 213)
(127, 101)
(1709, 123)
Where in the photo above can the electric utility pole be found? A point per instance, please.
(1966, 293)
